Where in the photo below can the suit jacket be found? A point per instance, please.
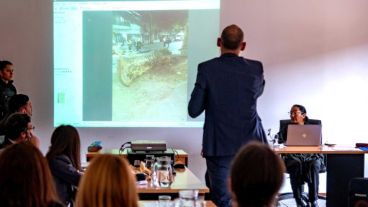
(227, 89)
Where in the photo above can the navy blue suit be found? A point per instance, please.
(227, 89)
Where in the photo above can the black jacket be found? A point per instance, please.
(7, 90)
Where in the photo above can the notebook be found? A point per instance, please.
(304, 135)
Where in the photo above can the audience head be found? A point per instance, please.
(232, 39)
(298, 114)
(25, 177)
(256, 176)
(109, 182)
(6, 70)
(20, 103)
(18, 127)
(65, 141)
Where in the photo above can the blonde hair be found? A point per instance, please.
(108, 182)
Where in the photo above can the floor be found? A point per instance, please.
(287, 188)
(291, 203)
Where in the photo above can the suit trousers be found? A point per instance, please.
(216, 179)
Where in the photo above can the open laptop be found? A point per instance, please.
(304, 135)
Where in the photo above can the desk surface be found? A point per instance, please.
(185, 180)
(319, 149)
(155, 204)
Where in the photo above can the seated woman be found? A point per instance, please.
(256, 176)
(109, 182)
(25, 178)
(301, 167)
(64, 160)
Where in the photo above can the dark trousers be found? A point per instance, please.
(216, 179)
(303, 170)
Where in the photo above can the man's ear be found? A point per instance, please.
(23, 135)
(219, 42)
(242, 46)
(23, 110)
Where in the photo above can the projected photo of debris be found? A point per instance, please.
(149, 53)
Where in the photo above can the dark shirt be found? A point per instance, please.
(7, 90)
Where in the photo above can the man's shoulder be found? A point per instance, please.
(251, 61)
(240, 58)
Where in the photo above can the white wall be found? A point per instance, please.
(314, 53)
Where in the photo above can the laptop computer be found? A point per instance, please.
(304, 135)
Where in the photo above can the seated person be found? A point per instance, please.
(301, 167)
(18, 128)
(25, 178)
(64, 160)
(256, 176)
(19, 103)
(109, 182)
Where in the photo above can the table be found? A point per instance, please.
(180, 155)
(343, 164)
(155, 204)
(185, 180)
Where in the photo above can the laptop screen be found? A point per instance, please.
(304, 135)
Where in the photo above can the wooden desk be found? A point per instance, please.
(185, 180)
(343, 164)
(155, 204)
(180, 155)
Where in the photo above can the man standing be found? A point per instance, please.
(7, 88)
(227, 88)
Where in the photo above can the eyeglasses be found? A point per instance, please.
(294, 113)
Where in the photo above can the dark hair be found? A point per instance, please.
(65, 141)
(25, 177)
(15, 124)
(232, 36)
(256, 175)
(17, 101)
(302, 109)
(4, 63)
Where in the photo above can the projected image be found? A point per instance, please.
(130, 63)
(149, 65)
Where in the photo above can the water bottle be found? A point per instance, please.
(162, 172)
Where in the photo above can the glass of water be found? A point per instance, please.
(188, 198)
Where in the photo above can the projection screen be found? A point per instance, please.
(130, 63)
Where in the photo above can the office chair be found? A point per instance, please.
(288, 195)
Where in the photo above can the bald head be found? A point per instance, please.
(232, 37)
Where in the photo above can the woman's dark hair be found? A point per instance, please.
(302, 109)
(25, 177)
(65, 141)
(256, 175)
